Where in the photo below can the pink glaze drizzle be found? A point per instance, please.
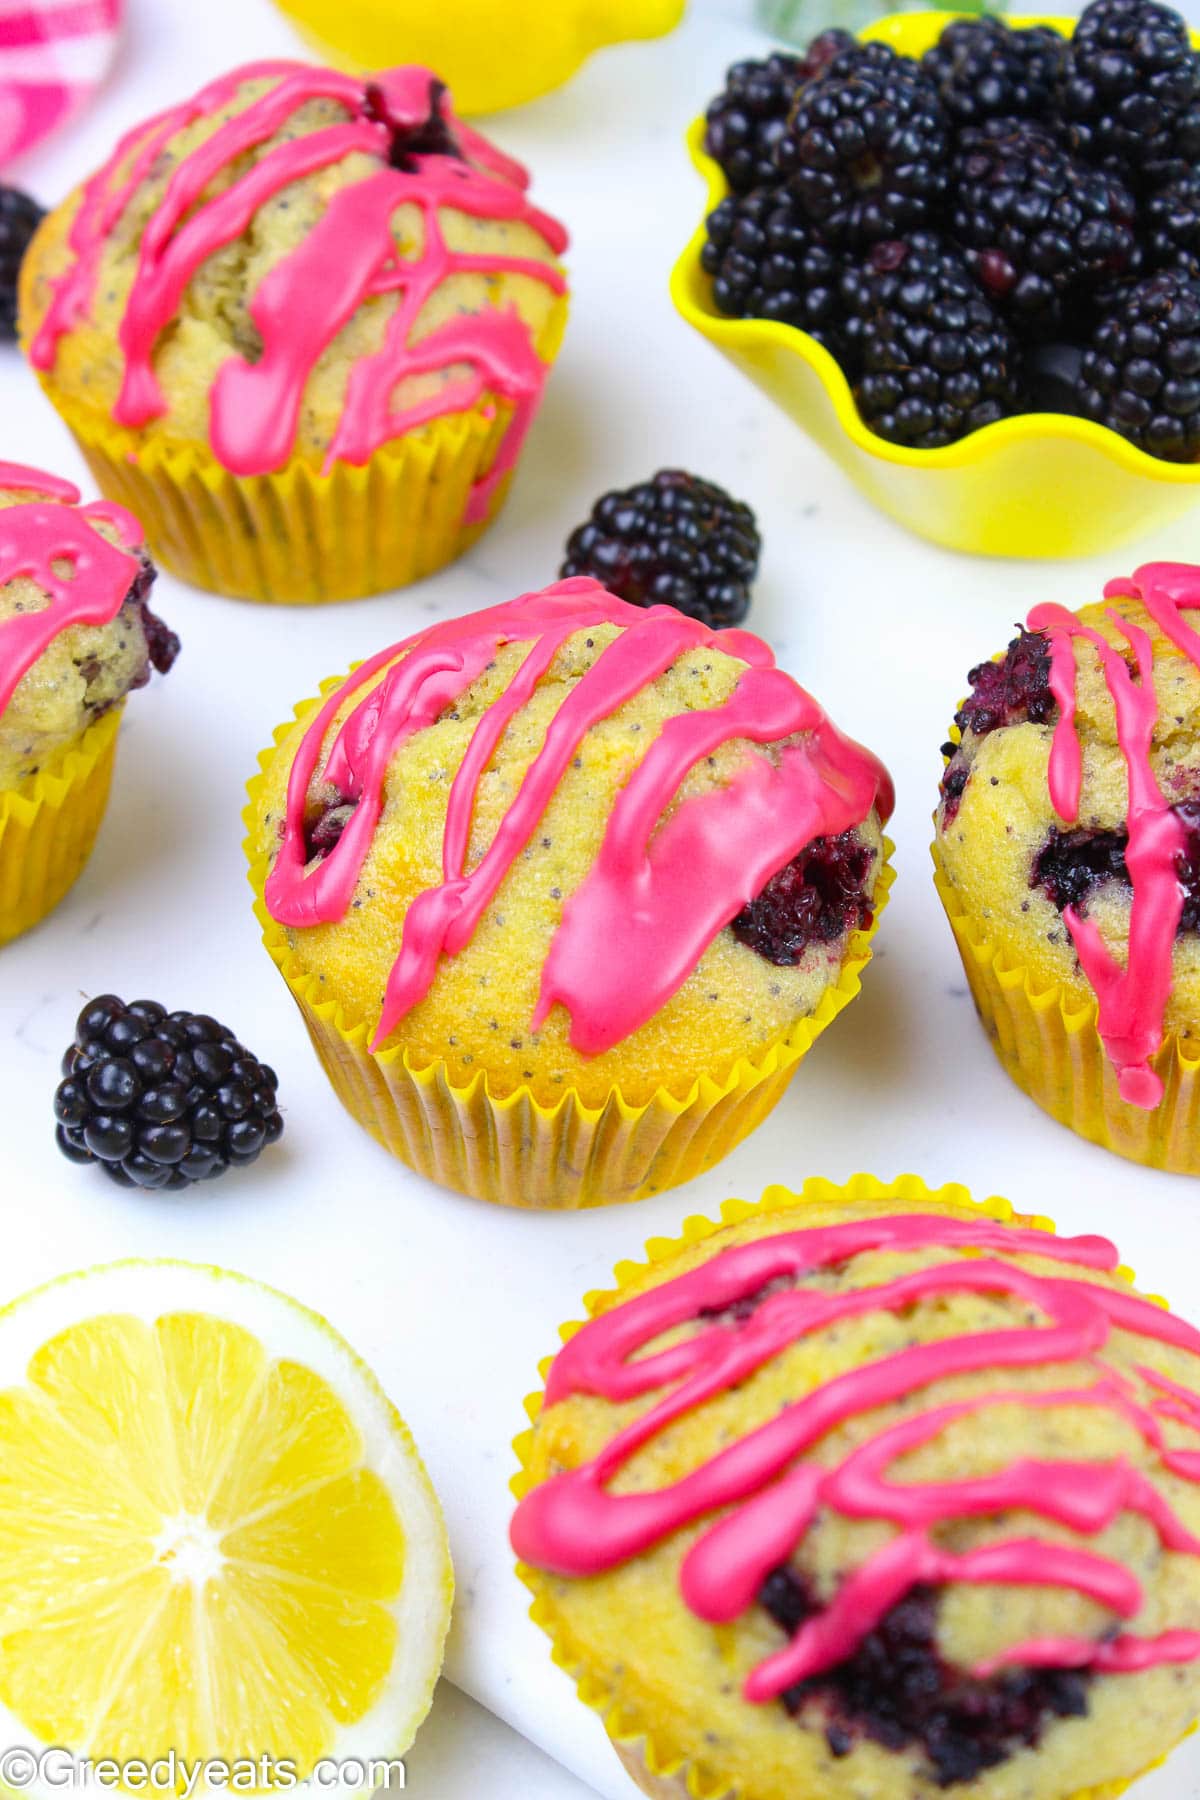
(1132, 1000)
(574, 1525)
(51, 528)
(655, 898)
(348, 258)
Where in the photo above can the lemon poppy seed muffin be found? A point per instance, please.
(872, 1492)
(572, 847)
(76, 637)
(1068, 849)
(303, 320)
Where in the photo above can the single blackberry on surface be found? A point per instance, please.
(983, 70)
(19, 219)
(1141, 373)
(865, 148)
(767, 262)
(1039, 228)
(161, 1100)
(1171, 223)
(935, 360)
(747, 118)
(1130, 94)
(674, 540)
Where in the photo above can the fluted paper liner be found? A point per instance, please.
(1053, 1050)
(48, 826)
(513, 1149)
(658, 1760)
(299, 536)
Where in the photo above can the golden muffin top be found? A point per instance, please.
(1070, 814)
(875, 1497)
(569, 839)
(76, 634)
(296, 261)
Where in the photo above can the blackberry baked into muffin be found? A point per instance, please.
(872, 1491)
(1068, 859)
(564, 889)
(301, 323)
(76, 637)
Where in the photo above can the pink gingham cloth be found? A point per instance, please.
(53, 56)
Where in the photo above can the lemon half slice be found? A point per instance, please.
(216, 1535)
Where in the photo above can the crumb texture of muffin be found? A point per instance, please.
(572, 843)
(872, 1491)
(1069, 821)
(76, 633)
(296, 262)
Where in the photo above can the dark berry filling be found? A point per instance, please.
(1009, 692)
(898, 1690)
(323, 834)
(431, 136)
(815, 899)
(1071, 865)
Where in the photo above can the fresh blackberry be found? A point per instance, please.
(161, 1100)
(982, 70)
(1141, 373)
(934, 359)
(1130, 94)
(815, 899)
(767, 262)
(19, 219)
(865, 148)
(674, 540)
(1038, 226)
(746, 120)
(1171, 224)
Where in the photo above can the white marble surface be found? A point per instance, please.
(454, 1303)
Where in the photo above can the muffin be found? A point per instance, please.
(1067, 857)
(300, 323)
(872, 1491)
(76, 636)
(564, 889)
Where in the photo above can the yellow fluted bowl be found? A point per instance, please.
(1039, 485)
(491, 53)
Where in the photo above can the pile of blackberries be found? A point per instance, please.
(1009, 224)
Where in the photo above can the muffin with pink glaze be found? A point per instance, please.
(76, 638)
(869, 1492)
(1068, 860)
(301, 323)
(564, 890)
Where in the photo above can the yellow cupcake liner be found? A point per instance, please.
(300, 537)
(511, 1148)
(48, 827)
(1050, 1045)
(661, 1763)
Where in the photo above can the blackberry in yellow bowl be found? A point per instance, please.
(964, 254)
(869, 1491)
(565, 889)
